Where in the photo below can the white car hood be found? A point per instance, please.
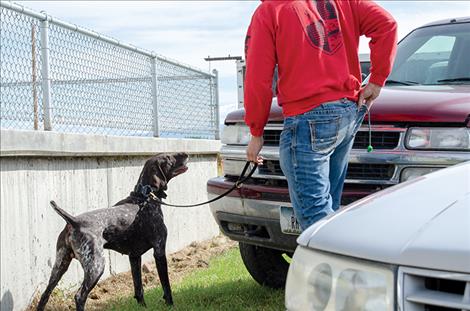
(421, 223)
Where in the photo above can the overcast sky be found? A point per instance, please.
(188, 31)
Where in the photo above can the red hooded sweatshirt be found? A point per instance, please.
(315, 45)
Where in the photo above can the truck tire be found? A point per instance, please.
(266, 265)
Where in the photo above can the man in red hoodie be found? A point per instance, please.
(315, 46)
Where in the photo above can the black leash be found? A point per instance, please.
(237, 185)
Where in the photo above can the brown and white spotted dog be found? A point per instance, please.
(131, 227)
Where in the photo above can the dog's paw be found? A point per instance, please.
(168, 301)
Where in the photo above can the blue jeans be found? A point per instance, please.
(314, 150)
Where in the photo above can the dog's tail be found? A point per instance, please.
(66, 216)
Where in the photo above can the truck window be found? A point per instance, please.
(434, 53)
(436, 45)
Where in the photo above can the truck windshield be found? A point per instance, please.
(433, 55)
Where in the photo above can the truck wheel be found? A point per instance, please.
(266, 265)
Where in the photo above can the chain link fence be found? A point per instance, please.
(185, 86)
(20, 61)
(57, 76)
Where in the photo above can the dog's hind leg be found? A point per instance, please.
(64, 256)
(89, 252)
(162, 268)
(92, 275)
(136, 269)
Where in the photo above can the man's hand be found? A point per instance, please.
(254, 147)
(368, 94)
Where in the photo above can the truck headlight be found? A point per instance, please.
(233, 167)
(438, 138)
(236, 134)
(320, 281)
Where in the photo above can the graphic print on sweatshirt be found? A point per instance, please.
(321, 27)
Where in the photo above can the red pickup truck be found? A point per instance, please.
(420, 123)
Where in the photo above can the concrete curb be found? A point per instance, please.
(53, 144)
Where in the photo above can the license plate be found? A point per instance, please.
(289, 224)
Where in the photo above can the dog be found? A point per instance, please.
(131, 227)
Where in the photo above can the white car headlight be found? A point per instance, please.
(410, 173)
(438, 138)
(236, 134)
(320, 281)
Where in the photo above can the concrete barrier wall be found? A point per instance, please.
(82, 173)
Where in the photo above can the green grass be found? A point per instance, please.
(225, 285)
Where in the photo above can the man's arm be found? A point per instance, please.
(379, 25)
(260, 54)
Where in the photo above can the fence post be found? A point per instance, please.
(217, 117)
(34, 78)
(156, 129)
(46, 80)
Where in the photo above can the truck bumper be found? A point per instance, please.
(255, 230)
(251, 214)
(244, 217)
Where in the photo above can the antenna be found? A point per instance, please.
(209, 59)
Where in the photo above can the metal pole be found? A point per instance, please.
(46, 81)
(34, 77)
(156, 129)
(240, 82)
(217, 117)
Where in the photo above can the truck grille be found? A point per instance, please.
(270, 168)
(370, 171)
(426, 290)
(380, 139)
(271, 137)
(355, 170)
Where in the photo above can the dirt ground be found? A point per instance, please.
(195, 256)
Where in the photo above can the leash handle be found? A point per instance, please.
(242, 179)
(237, 185)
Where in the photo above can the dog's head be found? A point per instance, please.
(160, 169)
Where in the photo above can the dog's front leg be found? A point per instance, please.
(162, 268)
(136, 269)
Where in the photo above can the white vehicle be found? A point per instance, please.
(404, 248)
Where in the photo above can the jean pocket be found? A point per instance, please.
(324, 134)
(361, 113)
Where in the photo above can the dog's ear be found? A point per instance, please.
(160, 181)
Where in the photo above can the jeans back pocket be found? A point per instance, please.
(324, 134)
